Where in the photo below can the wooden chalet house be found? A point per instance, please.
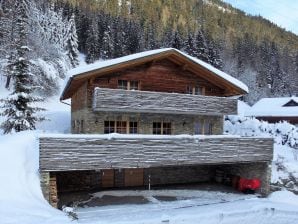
(167, 109)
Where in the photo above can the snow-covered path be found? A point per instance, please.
(261, 211)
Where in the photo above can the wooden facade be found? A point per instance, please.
(102, 152)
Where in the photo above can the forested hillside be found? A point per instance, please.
(252, 49)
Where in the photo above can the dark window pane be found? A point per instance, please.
(189, 90)
(133, 127)
(198, 128)
(198, 91)
(167, 129)
(122, 84)
(109, 127)
(134, 85)
(157, 128)
(121, 127)
(208, 128)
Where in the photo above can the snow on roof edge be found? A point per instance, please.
(139, 136)
(273, 107)
(111, 62)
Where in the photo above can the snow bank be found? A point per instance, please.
(21, 199)
(282, 132)
(285, 159)
(284, 196)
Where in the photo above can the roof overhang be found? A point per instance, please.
(80, 75)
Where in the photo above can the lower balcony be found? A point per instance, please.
(96, 152)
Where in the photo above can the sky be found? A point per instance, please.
(284, 13)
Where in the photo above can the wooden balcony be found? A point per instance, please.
(94, 152)
(159, 102)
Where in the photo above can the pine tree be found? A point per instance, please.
(92, 44)
(71, 45)
(213, 55)
(201, 47)
(107, 44)
(176, 41)
(19, 113)
(190, 45)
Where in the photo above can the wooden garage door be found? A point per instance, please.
(134, 177)
(107, 178)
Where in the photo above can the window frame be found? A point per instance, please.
(159, 128)
(133, 127)
(121, 127)
(122, 85)
(108, 127)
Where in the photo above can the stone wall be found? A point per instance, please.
(178, 175)
(78, 180)
(181, 124)
(260, 170)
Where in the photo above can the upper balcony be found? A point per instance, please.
(161, 102)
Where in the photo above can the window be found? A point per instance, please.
(198, 128)
(167, 130)
(196, 90)
(128, 85)
(133, 127)
(208, 126)
(189, 90)
(121, 127)
(162, 128)
(82, 126)
(109, 127)
(134, 85)
(156, 128)
(122, 84)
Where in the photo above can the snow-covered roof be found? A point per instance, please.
(112, 63)
(274, 107)
(242, 107)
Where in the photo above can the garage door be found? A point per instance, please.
(133, 177)
(107, 178)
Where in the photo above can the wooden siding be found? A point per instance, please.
(81, 153)
(183, 63)
(161, 76)
(157, 102)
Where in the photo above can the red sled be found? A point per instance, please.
(248, 185)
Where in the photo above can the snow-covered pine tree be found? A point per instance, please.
(176, 40)
(107, 44)
(213, 55)
(92, 43)
(18, 110)
(71, 42)
(201, 47)
(189, 45)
